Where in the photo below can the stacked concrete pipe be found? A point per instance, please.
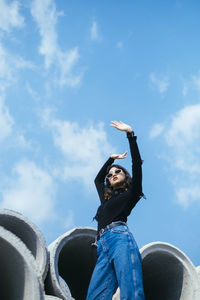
(29, 234)
(47, 297)
(72, 260)
(168, 273)
(198, 272)
(19, 276)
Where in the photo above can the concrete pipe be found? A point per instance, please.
(168, 273)
(29, 234)
(198, 272)
(116, 295)
(48, 297)
(18, 271)
(72, 260)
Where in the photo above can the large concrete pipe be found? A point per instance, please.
(29, 234)
(198, 272)
(168, 273)
(18, 271)
(72, 260)
(47, 297)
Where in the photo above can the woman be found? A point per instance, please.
(118, 257)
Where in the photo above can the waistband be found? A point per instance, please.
(108, 227)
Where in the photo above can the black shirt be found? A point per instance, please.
(122, 201)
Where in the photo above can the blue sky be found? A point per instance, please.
(67, 68)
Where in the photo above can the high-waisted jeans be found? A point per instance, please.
(118, 264)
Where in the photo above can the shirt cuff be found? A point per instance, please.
(111, 160)
(130, 134)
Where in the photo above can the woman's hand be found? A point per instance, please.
(119, 156)
(121, 126)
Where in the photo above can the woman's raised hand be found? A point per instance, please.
(119, 156)
(121, 126)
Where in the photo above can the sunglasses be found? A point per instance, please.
(116, 172)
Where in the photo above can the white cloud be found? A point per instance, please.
(182, 147)
(32, 92)
(184, 135)
(69, 220)
(84, 149)
(6, 74)
(188, 195)
(30, 191)
(94, 32)
(9, 65)
(22, 142)
(156, 130)
(191, 84)
(119, 44)
(9, 15)
(160, 83)
(45, 15)
(185, 125)
(185, 89)
(196, 81)
(6, 122)
(67, 61)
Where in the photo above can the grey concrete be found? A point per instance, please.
(72, 258)
(198, 272)
(18, 271)
(116, 295)
(47, 297)
(168, 273)
(29, 234)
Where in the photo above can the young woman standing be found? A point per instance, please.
(118, 257)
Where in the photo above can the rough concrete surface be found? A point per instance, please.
(47, 297)
(72, 257)
(168, 273)
(18, 271)
(29, 234)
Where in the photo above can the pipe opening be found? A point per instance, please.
(12, 277)
(29, 234)
(20, 229)
(163, 276)
(76, 263)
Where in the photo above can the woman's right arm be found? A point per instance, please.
(99, 180)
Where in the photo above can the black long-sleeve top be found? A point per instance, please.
(122, 201)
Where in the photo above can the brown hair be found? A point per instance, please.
(108, 190)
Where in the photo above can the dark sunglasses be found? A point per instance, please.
(116, 172)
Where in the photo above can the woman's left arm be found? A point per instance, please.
(136, 185)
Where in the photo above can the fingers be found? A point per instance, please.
(125, 154)
(114, 123)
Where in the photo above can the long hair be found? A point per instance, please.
(108, 190)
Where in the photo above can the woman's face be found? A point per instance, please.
(116, 177)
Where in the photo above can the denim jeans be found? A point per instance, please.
(118, 264)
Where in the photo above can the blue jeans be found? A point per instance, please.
(118, 264)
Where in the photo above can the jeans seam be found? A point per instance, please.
(132, 259)
(108, 282)
(107, 256)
